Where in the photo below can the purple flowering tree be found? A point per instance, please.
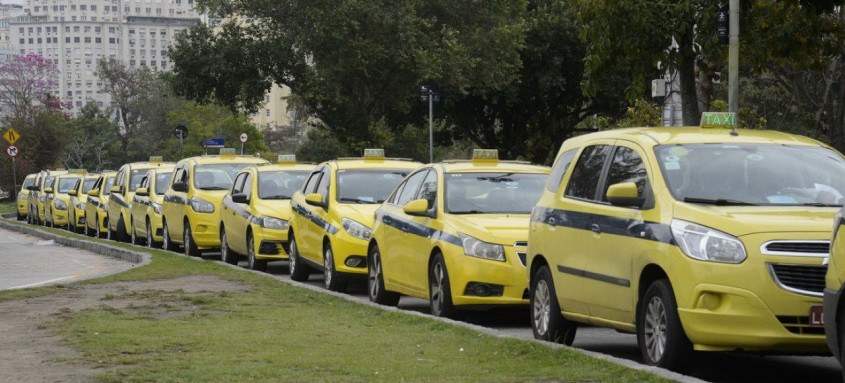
(25, 85)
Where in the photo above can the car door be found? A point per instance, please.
(138, 209)
(233, 221)
(175, 204)
(622, 234)
(301, 220)
(398, 232)
(574, 240)
(419, 244)
(321, 218)
(310, 231)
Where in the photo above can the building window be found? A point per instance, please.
(97, 29)
(76, 28)
(111, 40)
(23, 41)
(87, 29)
(73, 7)
(87, 39)
(93, 7)
(76, 39)
(82, 7)
(98, 40)
(30, 40)
(70, 93)
(39, 40)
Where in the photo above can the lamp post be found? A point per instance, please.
(429, 92)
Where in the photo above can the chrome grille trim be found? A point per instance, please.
(796, 248)
(819, 279)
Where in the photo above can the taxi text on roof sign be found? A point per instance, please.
(286, 158)
(227, 151)
(156, 159)
(485, 154)
(373, 153)
(725, 120)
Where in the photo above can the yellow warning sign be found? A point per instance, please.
(12, 136)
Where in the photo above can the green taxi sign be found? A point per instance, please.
(718, 120)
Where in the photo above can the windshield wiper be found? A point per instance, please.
(821, 204)
(718, 201)
(467, 212)
(355, 200)
(277, 197)
(212, 188)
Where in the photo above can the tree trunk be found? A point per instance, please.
(686, 69)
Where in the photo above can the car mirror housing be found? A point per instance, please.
(94, 192)
(180, 186)
(143, 192)
(240, 198)
(624, 194)
(72, 193)
(315, 199)
(417, 207)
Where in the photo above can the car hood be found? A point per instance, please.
(744, 220)
(277, 208)
(494, 228)
(362, 213)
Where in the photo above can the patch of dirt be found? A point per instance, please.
(30, 353)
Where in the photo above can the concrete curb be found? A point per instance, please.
(139, 258)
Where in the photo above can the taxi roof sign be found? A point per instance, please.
(485, 155)
(77, 171)
(227, 151)
(374, 153)
(156, 159)
(718, 120)
(286, 158)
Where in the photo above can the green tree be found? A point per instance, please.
(209, 121)
(90, 143)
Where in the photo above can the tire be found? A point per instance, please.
(151, 243)
(70, 226)
(439, 289)
(660, 335)
(189, 244)
(20, 217)
(133, 238)
(120, 231)
(296, 269)
(547, 323)
(375, 280)
(841, 345)
(251, 262)
(332, 281)
(167, 242)
(226, 254)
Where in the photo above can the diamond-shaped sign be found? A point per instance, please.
(11, 136)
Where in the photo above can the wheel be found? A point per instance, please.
(226, 254)
(70, 227)
(842, 345)
(375, 281)
(120, 231)
(190, 246)
(439, 290)
(333, 281)
(660, 335)
(167, 242)
(20, 217)
(251, 262)
(151, 243)
(298, 272)
(546, 321)
(133, 237)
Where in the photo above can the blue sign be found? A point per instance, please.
(212, 142)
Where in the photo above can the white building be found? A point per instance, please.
(76, 33)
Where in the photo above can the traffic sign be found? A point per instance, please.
(243, 137)
(181, 131)
(12, 150)
(12, 136)
(212, 143)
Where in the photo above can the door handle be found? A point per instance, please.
(595, 228)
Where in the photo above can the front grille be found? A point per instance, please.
(800, 325)
(802, 279)
(811, 248)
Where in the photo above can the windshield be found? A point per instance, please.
(88, 184)
(48, 182)
(162, 180)
(280, 184)
(28, 182)
(217, 176)
(757, 174)
(66, 184)
(367, 186)
(135, 178)
(488, 193)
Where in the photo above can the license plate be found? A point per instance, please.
(816, 318)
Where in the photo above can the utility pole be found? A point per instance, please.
(733, 58)
(429, 93)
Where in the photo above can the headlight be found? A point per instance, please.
(356, 229)
(706, 244)
(80, 206)
(106, 207)
(156, 207)
(273, 223)
(201, 206)
(478, 248)
(59, 204)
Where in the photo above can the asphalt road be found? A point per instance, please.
(27, 261)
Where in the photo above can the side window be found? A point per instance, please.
(323, 186)
(247, 186)
(410, 188)
(428, 191)
(559, 169)
(311, 184)
(627, 166)
(238, 185)
(587, 172)
(179, 176)
(145, 182)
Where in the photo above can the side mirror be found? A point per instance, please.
(94, 192)
(314, 199)
(180, 187)
(417, 207)
(116, 189)
(624, 194)
(240, 198)
(48, 190)
(143, 192)
(72, 193)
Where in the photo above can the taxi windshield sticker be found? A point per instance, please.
(678, 151)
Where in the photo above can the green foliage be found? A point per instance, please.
(210, 121)
(641, 113)
(90, 143)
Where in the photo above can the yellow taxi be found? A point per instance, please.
(78, 197)
(333, 215)
(145, 213)
(455, 234)
(57, 201)
(38, 199)
(192, 201)
(254, 216)
(694, 238)
(22, 199)
(96, 206)
(128, 179)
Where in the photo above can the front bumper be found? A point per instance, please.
(156, 227)
(270, 244)
(59, 217)
(23, 207)
(348, 250)
(476, 281)
(205, 230)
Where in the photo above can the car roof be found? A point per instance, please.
(285, 167)
(373, 163)
(466, 166)
(218, 159)
(648, 137)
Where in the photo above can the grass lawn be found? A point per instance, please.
(276, 332)
(8, 206)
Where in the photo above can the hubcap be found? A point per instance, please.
(655, 329)
(149, 235)
(292, 257)
(187, 240)
(166, 240)
(224, 249)
(542, 309)
(374, 274)
(250, 249)
(328, 263)
(437, 288)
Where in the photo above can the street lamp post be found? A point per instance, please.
(428, 92)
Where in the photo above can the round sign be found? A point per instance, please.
(181, 131)
(243, 137)
(12, 150)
